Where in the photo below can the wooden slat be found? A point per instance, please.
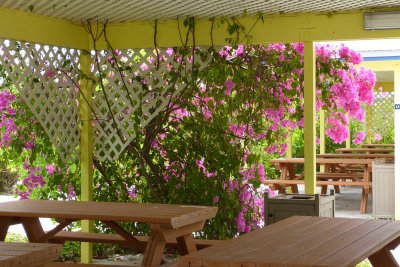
(365, 150)
(370, 241)
(27, 254)
(356, 155)
(116, 239)
(196, 259)
(275, 251)
(68, 264)
(319, 183)
(378, 145)
(108, 211)
(302, 241)
(348, 161)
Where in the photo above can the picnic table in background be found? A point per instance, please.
(365, 150)
(386, 156)
(378, 145)
(167, 222)
(335, 170)
(306, 241)
(27, 254)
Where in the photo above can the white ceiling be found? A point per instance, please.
(140, 10)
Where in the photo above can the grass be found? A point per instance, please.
(364, 263)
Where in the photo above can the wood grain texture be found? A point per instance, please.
(365, 150)
(305, 241)
(27, 254)
(173, 215)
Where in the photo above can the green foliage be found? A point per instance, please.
(15, 237)
(71, 252)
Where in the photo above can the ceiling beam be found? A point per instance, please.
(24, 26)
(315, 27)
(276, 28)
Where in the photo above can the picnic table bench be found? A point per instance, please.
(27, 254)
(167, 222)
(306, 241)
(378, 145)
(365, 150)
(338, 175)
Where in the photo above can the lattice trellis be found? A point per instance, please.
(381, 115)
(40, 73)
(137, 89)
(132, 93)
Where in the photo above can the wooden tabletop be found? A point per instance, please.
(356, 156)
(365, 150)
(305, 241)
(325, 161)
(378, 145)
(172, 215)
(27, 254)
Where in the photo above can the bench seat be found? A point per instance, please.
(63, 236)
(319, 183)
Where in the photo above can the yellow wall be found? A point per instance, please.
(24, 26)
(276, 28)
(386, 86)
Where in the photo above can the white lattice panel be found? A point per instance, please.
(136, 94)
(40, 73)
(381, 115)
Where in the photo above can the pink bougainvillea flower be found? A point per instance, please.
(144, 67)
(377, 137)
(224, 52)
(49, 73)
(29, 145)
(229, 84)
(216, 199)
(240, 51)
(358, 138)
(169, 51)
(50, 169)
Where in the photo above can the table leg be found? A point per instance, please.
(383, 258)
(186, 244)
(154, 250)
(365, 191)
(33, 229)
(284, 173)
(292, 176)
(4, 224)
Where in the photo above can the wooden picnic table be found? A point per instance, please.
(306, 241)
(27, 254)
(378, 145)
(386, 156)
(286, 167)
(365, 150)
(166, 221)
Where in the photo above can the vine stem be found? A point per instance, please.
(97, 62)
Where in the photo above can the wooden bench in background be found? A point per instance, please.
(278, 184)
(323, 179)
(63, 236)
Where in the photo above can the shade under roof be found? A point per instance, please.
(113, 11)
